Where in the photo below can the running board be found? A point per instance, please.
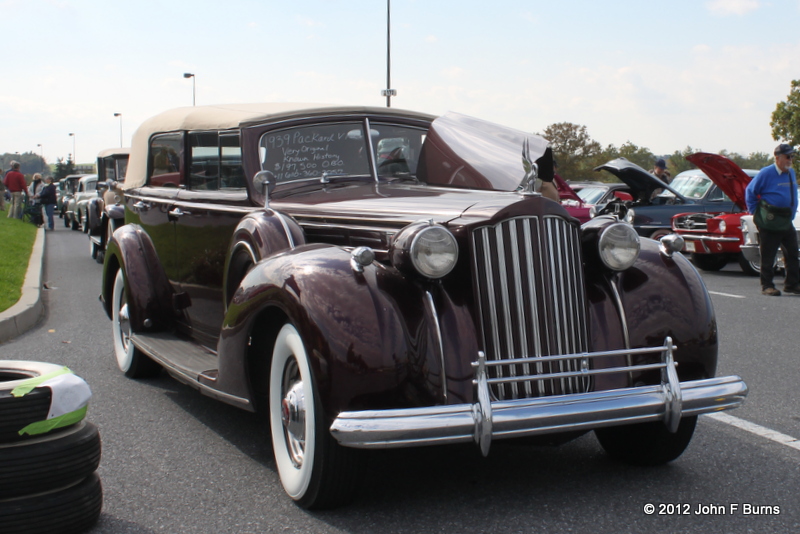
(188, 362)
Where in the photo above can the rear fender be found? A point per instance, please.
(149, 290)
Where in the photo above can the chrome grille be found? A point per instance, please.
(531, 303)
(697, 222)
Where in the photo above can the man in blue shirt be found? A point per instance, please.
(777, 185)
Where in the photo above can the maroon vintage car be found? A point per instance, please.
(275, 258)
(714, 238)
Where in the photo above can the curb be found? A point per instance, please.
(29, 309)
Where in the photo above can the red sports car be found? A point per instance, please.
(714, 239)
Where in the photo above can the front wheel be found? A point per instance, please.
(130, 360)
(314, 470)
(646, 443)
(750, 268)
(709, 262)
(658, 234)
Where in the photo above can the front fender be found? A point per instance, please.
(665, 296)
(368, 348)
(115, 211)
(149, 290)
(258, 235)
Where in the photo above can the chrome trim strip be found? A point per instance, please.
(285, 229)
(612, 282)
(439, 341)
(372, 161)
(377, 229)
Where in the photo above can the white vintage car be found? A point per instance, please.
(750, 242)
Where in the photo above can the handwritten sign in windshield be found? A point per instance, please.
(308, 152)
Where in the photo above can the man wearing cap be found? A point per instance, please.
(660, 172)
(777, 186)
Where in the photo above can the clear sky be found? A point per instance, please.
(661, 74)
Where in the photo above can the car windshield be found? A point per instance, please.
(591, 195)
(341, 149)
(692, 186)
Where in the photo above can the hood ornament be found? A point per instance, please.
(528, 184)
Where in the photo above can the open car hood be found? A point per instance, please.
(461, 151)
(641, 182)
(726, 174)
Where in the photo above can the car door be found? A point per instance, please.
(149, 206)
(205, 215)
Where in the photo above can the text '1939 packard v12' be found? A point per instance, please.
(374, 278)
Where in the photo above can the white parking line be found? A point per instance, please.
(727, 295)
(758, 430)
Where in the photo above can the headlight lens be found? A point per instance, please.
(619, 246)
(629, 216)
(722, 227)
(434, 251)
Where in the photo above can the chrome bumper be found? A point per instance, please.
(485, 420)
(751, 253)
(710, 238)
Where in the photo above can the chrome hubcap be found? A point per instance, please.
(124, 325)
(293, 417)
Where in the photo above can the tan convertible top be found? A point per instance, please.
(114, 152)
(227, 116)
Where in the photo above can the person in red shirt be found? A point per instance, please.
(15, 183)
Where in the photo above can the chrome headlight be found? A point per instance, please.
(434, 251)
(629, 216)
(619, 246)
(429, 249)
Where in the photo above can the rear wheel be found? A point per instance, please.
(130, 360)
(709, 262)
(315, 471)
(646, 443)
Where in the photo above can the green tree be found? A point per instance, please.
(641, 156)
(677, 162)
(785, 121)
(29, 162)
(64, 168)
(574, 150)
(756, 160)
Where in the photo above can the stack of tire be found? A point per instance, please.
(48, 463)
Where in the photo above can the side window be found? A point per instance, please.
(165, 160)
(215, 162)
(306, 152)
(716, 195)
(232, 172)
(109, 169)
(204, 161)
(397, 149)
(122, 168)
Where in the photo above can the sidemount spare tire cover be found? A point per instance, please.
(37, 397)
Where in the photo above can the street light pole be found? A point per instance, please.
(389, 92)
(74, 155)
(41, 155)
(120, 127)
(192, 76)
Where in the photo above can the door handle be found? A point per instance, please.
(177, 212)
(142, 206)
